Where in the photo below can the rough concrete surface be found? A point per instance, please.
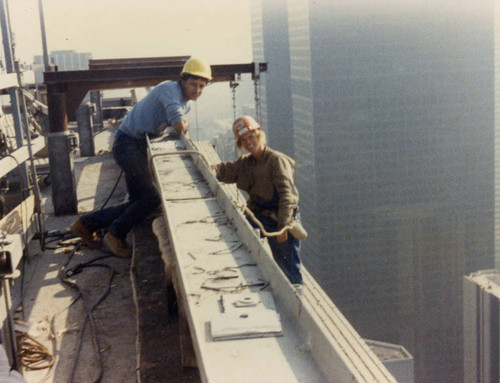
(137, 337)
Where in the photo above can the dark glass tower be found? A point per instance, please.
(270, 20)
(393, 133)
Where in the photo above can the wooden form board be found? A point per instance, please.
(209, 234)
(21, 220)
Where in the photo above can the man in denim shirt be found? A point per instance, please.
(166, 105)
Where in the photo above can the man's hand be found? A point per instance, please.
(282, 237)
(181, 127)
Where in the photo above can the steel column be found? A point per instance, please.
(61, 157)
(84, 121)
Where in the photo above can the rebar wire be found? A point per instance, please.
(228, 250)
(177, 152)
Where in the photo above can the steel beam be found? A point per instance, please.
(85, 130)
(137, 62)
(76, 84)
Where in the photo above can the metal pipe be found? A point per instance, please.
(58, 118)
(44, 38)
(14, 94)
(7, 41)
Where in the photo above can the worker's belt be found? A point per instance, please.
(270, 213)
(297, 230)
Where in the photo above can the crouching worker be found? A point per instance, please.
(268, 177)
(166, 105)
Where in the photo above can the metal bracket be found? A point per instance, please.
(11, 252)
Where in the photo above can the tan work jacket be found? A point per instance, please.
(273, 172)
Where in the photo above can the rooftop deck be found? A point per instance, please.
(136, 337)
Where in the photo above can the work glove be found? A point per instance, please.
(282, 237)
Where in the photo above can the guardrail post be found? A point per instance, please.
(85, 132)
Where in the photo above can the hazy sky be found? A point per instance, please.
(216, 30)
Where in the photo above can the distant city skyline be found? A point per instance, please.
(151, 28)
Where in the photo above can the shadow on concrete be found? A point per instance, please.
(158, 326)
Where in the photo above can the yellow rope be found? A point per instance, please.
(32, 354)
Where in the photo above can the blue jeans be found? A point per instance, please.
(131, 156)
(286, 254)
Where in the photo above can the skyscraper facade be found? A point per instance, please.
(270, 19)
(393, 134)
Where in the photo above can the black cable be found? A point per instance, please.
(64, 275)
(112, 191)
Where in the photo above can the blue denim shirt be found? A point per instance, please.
(164, 106)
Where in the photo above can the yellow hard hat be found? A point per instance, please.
(197, 67)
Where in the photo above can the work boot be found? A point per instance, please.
(91, 239)
(117, 246)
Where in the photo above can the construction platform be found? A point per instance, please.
(136, 336)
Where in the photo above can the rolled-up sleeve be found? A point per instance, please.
(173, 101)
(175, 113)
